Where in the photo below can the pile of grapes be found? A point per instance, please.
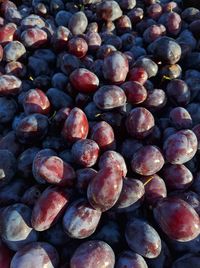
(99, 134)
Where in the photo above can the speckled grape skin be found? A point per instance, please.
(80, 219)
(49, 207)
(105, 188)
(93, 254)
(38, 254)
(177, 219)
(85, 152)
(112, 158)
(180, 147)
(143, 238)
(147, 160)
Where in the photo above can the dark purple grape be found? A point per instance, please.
(147, 160)
(9, 85)
(130, 259)
(177, 177)
(41, 253)
(109, 11)
(180, 147)
(139, 123)
(80, 219)
(105, 188)
(177, 219)
(78, 23)
(109, 97)
(142, 238)
(180, 118)
(92, 254)
(85, 152)
(155, 189)
(132, 192)
(115, 67)
(178, 92)
(16, 230)
(32, 128)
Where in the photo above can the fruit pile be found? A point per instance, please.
(99, 134)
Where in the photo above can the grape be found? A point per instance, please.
(85, 152)
(104, 135)
(115, 67)
(143, 238)
(132, 191)
(84, 80)
(135, 92)
(93, 253)
(78, 23)
(76, 126)
(139, 123)
(109, 10)
(46, 211)
(177, 177)
(105, 188)
(130, 259)
(84, 176)
(36, 101)
(187, 260)
(180, 147)
(177, 219)
(36, 254)
(114, 158)
(155, 189)
(180, 118)
(109, 97)
(147, 160)
(80, 219)
(16, 230)
(9, 85)
(52, 169)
